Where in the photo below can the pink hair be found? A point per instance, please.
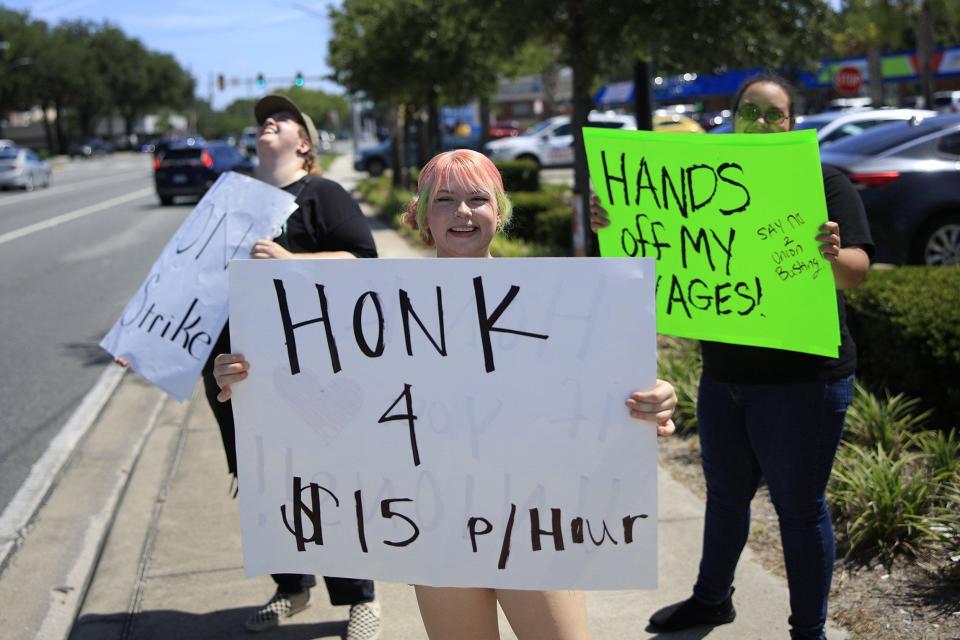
(463, 167)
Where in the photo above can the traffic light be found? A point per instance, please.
(298, 80)
(261, 81)
(221, 82)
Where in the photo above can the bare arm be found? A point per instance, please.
(268, 249)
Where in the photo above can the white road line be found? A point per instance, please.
(73, 215)
(46, 470)
(56, 190)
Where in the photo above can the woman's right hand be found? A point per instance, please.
(228, 369)
(598, 215)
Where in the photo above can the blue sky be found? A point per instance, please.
(239, 38)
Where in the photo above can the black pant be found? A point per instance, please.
(341, 590)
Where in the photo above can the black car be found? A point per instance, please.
(908, 175)
(189, 170)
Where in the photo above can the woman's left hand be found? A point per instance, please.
(829, 241)
(269, 250)
(655, 405)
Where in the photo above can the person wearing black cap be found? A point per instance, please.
(327, 224)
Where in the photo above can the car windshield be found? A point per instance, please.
(811, 124)
(537, 128)
(8, 153)
(941, 101)
(882, 138)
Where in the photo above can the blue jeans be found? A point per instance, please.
(787, 433)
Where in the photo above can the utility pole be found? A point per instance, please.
(925, 51)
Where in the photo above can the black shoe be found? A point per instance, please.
(692, 613)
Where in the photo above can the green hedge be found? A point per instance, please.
(519, 175)
(906, 323)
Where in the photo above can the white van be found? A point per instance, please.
(550, 143)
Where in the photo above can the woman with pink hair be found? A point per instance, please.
(459, 206)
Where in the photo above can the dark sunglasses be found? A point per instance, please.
(752, 113)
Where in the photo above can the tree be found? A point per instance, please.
(419, 54)
(593, 35)
(327, 110)
(871, 27)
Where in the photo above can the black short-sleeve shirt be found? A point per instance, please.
(749, 365)
(328, 219)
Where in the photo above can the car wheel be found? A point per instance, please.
(939, 241)
(28, 184)
(529, 158)
(376, 168)
(166, 201)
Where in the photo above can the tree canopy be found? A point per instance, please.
(85, 71)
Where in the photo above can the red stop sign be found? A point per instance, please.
(848, 81)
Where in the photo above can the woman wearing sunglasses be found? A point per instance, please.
(774, 414)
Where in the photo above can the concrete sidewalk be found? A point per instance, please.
(146, 545)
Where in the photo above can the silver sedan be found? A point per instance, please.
(21, 168)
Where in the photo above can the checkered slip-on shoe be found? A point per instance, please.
(281, 605)
(364, 621)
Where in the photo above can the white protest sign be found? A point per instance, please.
(447, 422)
(169, 326)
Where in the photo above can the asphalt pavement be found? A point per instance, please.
(139, 540)
(70, 257)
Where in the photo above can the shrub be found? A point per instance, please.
(906, 323)
(678, 362)
(554, 229)
(519, 175)
(886, 422)
(882, 503)
(526, 207)
(941, 451)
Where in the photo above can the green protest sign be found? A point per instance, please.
(732, 221)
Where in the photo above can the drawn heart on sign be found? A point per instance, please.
(327, 409)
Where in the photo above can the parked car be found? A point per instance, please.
(832, 126)
(189, 170)
(379, 157)
(908, 175)
(947, 101)
(89, 147)
(550, 143)
(21, 168)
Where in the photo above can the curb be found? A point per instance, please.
(46, 471)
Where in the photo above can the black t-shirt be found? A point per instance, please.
(751, 365)
(328, 219)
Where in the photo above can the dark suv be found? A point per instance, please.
(189, 170)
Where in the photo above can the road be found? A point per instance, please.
(70, 258)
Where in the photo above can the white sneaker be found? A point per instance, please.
(364, 621)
